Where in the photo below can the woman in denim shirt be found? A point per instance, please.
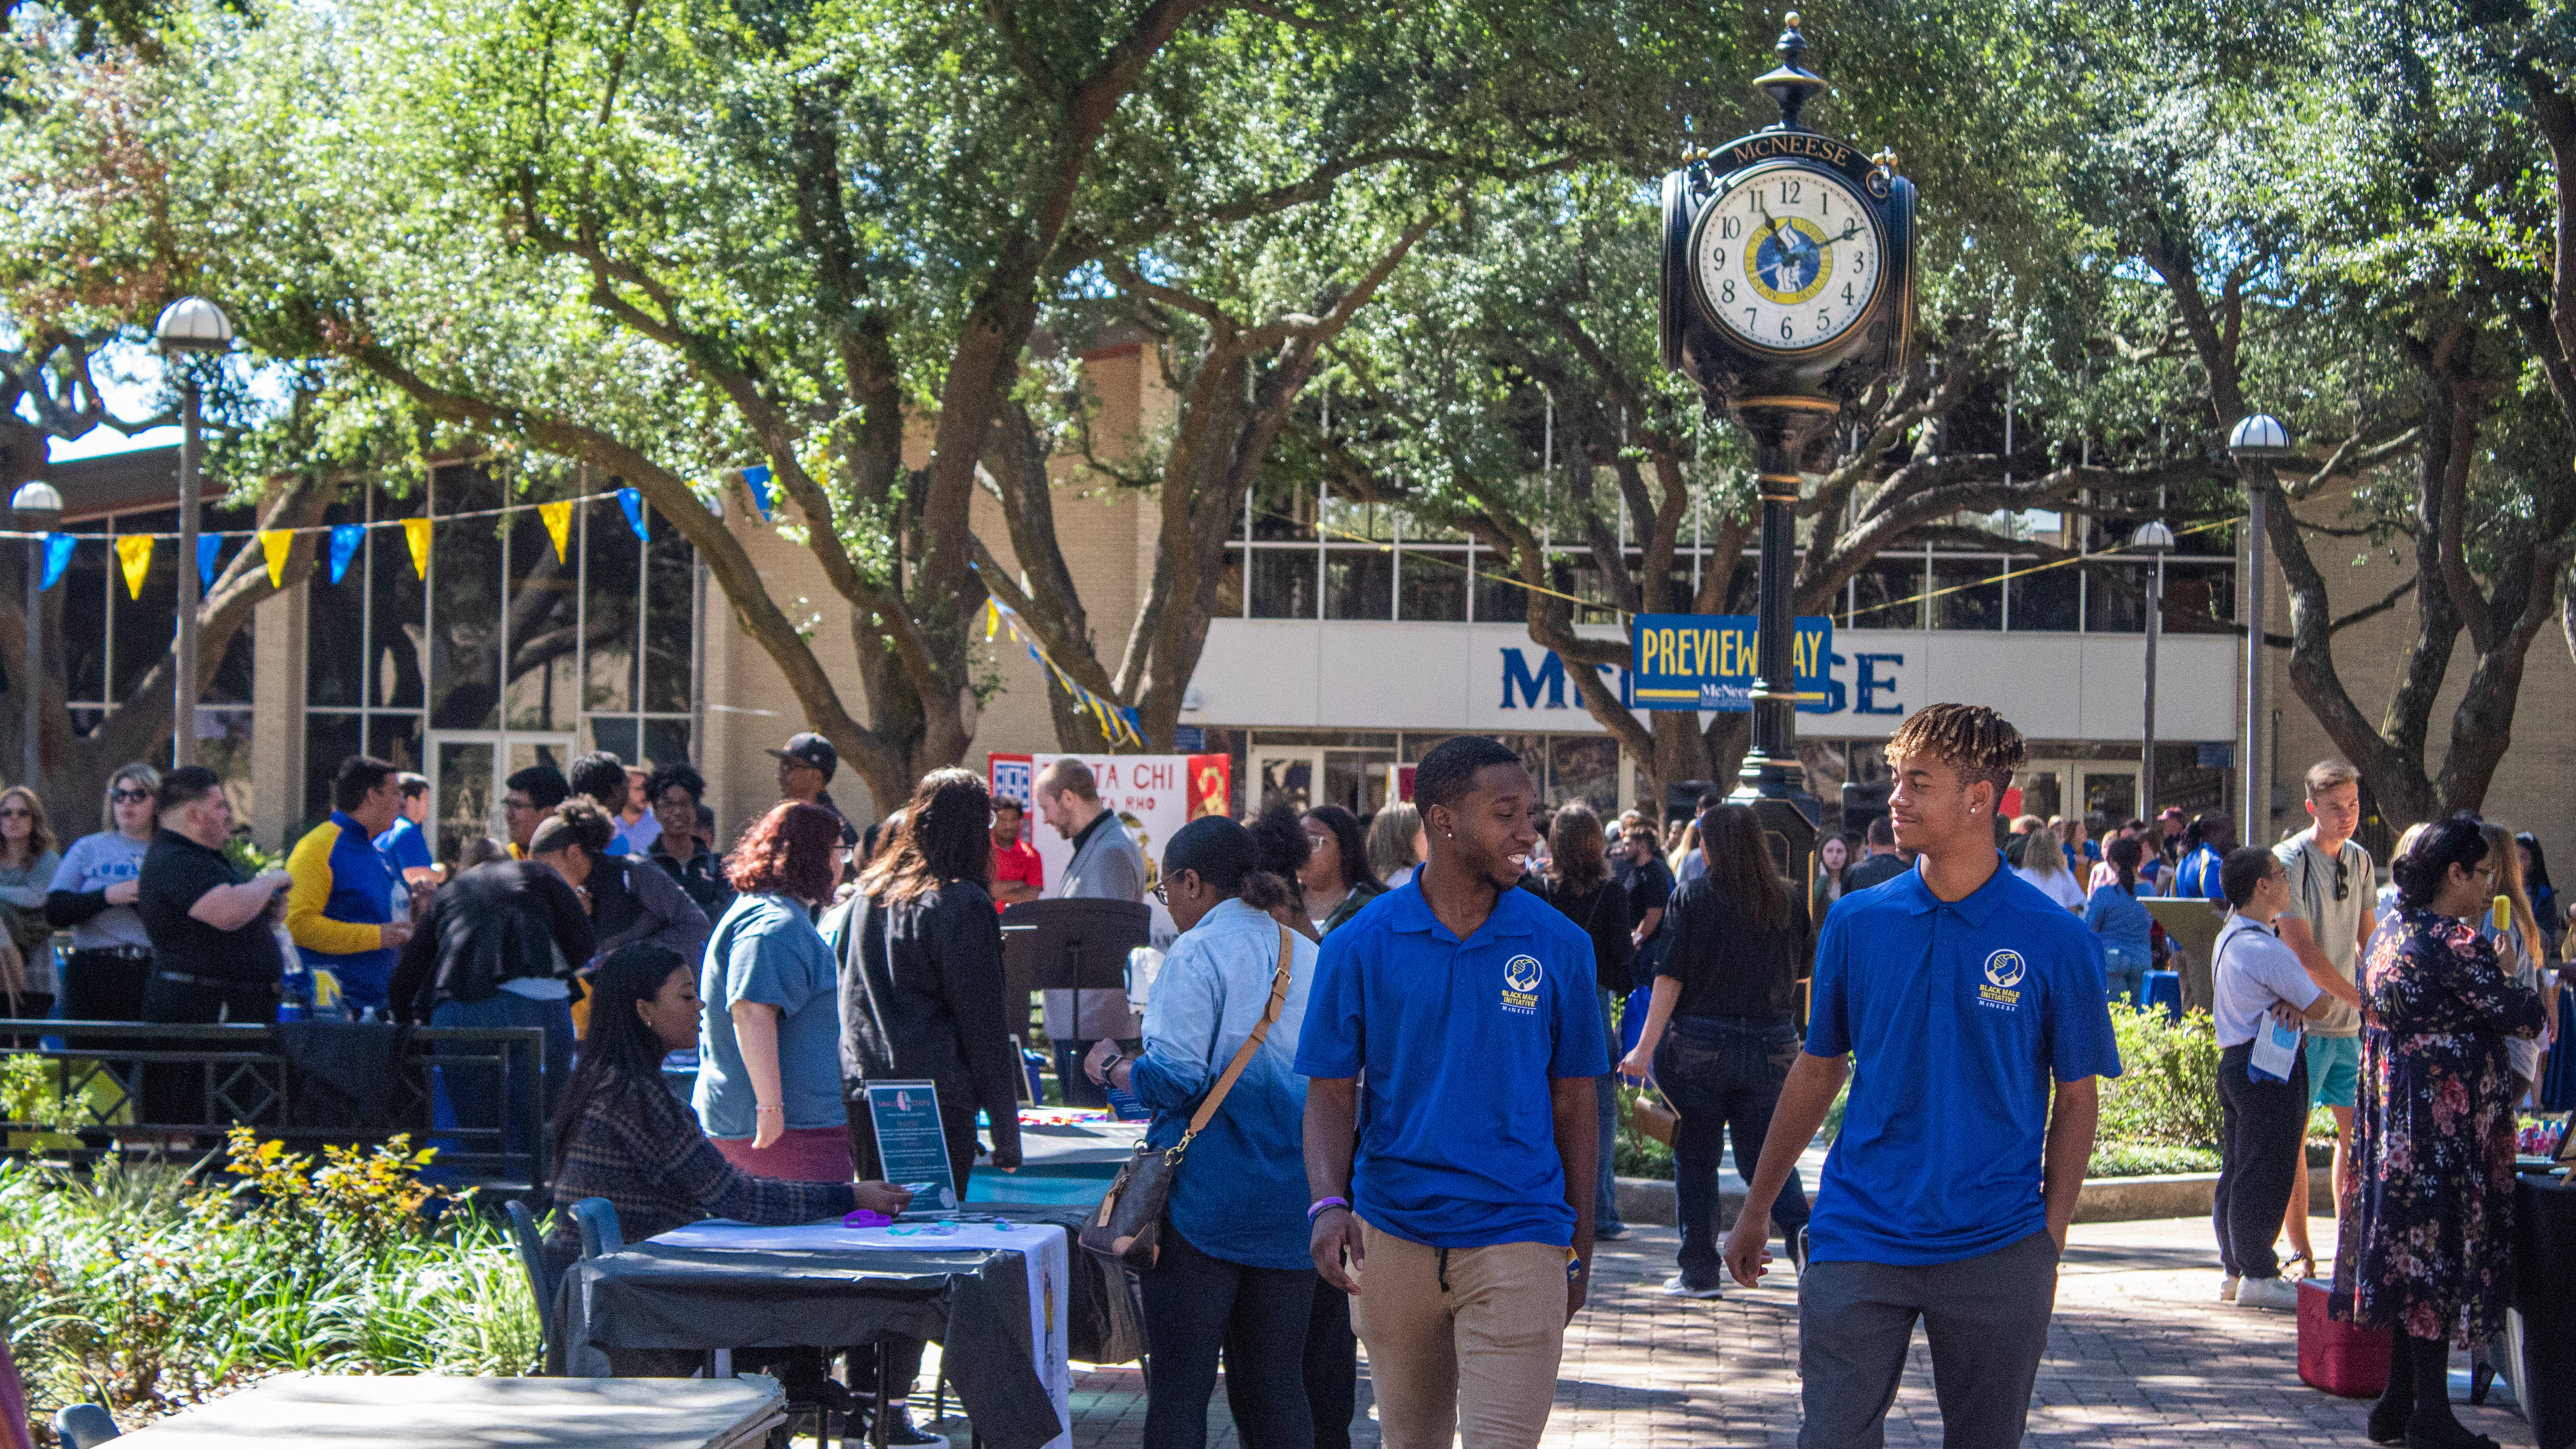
(1234, 1269)
(2124, 925)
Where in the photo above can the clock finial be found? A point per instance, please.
(1792, 83)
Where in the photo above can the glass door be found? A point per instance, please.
(1295, 776)
(2111, 793)
(467, 771)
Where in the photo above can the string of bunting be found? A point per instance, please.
(1121, 724)
(134, 550)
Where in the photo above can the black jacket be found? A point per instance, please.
(497, 922)
(921, 997)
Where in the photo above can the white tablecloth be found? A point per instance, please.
(428, 1411)
(1042, 1245)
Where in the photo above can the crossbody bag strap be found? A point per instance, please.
(1251, 1044)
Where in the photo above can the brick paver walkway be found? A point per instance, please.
(2140, 1355)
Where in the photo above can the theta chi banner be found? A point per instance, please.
(1153, 795)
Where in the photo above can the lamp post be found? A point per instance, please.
(191, 324)
(2156, 540)
(37, 506)
(2255, 441)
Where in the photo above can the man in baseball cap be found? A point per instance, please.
(805, 770)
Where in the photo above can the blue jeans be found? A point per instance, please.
(1723, 1073)
(2124, 971)
(475, 1092)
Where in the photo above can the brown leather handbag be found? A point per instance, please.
(1129, 1223)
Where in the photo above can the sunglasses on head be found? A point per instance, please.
(129, 797)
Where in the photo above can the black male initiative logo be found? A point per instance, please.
(1521, 976)
(2004, 971)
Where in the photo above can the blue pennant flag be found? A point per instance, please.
(633, 502)
(344, 546)
(757, 476)
(58, 557)
(209, 546)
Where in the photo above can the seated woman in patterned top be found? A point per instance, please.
(622, 1135)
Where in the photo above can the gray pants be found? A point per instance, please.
(1986, 1318)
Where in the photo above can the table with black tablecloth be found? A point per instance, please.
(2544, 1291)
(716, 1287)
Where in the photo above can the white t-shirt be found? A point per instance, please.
(2057, 885)
(2252, 967)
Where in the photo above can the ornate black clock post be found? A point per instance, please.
(1788, 291)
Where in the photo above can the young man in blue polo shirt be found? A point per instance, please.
(1963, 994)
(1463, 1233)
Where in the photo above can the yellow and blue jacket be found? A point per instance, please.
(342, 891)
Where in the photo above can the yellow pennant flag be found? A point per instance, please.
(134, 552)
(992, 618)
(273, 543)
(416, 533)
(558, 521)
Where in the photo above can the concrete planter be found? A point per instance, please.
(2103, 1200)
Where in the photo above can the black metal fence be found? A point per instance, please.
(124, 1087)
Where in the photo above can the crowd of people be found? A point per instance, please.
(1413, 1014)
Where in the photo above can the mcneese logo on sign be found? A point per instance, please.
(1521, 976)
(2004, 971)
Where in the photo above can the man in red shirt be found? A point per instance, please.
(1017, 875)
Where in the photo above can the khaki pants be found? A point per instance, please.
(1476, 1354)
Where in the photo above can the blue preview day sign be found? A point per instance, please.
(1708, 661)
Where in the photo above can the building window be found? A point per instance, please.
(505, 656)
(112, 639)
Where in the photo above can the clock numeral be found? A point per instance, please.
(1824, 320)
(1717, 259)
(1847, 296)
(1786, 332)
(1727, 293)
(1748, 319)
(1789, 193)
(1730, 227)
(1860, 261)
(1826, 197)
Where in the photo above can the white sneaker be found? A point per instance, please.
(1676, 1287)
(2227, 1288)
(2267, 1293)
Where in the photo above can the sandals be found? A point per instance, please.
(2304, 1264)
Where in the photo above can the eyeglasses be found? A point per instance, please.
(129, 797)
(2343, 881)
(1161, 893)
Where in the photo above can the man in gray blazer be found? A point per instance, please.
(1106, 865)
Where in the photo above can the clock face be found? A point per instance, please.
(1788, 258)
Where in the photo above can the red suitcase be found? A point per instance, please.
(2337, 1357)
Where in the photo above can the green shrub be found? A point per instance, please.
(2167, 1092)
(2131, 1159)
(130, 1288)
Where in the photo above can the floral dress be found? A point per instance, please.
(2428, 1210)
